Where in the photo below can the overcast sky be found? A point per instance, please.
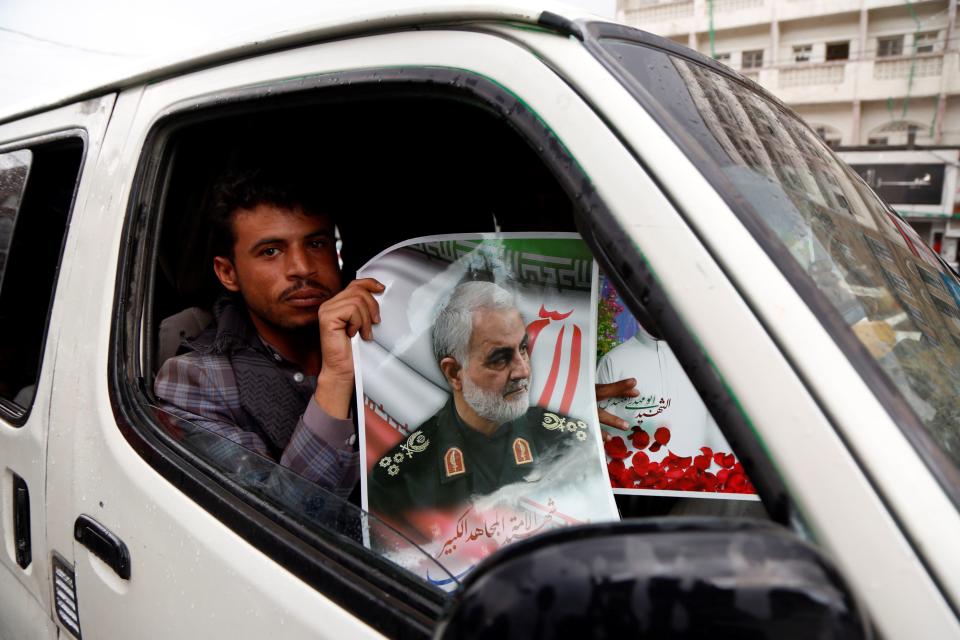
(56, 46)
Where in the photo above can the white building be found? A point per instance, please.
(865, 71)
(862, 73)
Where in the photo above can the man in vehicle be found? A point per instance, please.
(274, 372)
(487, 435)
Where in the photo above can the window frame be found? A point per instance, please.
(10, 412)
(755, 56)
(885, 44)
(837, 44)
(929, 40)
(802, 53)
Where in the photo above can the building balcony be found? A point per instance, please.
(847, 80)
(924, 66)
(797, 9)
(680, 18)
(662, 18)
(809, 75)
(672, 18)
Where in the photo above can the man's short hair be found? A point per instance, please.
(248, 188)
(454, 325)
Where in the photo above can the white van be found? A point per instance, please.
(821, 333)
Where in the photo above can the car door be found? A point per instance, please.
(43, 159)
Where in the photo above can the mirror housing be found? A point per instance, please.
(656, 578)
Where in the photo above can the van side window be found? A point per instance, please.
(36, 191)
(388, 172)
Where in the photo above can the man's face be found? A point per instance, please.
(284, 265)
(497, 375)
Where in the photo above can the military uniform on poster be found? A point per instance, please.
(445, 463)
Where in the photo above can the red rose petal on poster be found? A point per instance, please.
(723, 474)
(662, 435)
(615, 466)
(702, 462)
(685, 484)
(728, 460)
(616, 448)
(718, 458)
(736, 482)
(640, 439)
(707, 451)
(640, 460)
(709, 483)
(675, 474)
(691, 472)
(620, 477)
(685, 461)
(655, 447)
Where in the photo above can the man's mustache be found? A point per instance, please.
(299, 285)
(516, 385)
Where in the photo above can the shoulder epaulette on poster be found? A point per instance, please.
(416, 443)
(554, 422)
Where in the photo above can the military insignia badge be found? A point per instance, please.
(553, 422)
(521, 451)
(453, 462)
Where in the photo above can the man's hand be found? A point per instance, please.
(354, 310)
(620, 389)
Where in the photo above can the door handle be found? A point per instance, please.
(103, 544)
(21, 521)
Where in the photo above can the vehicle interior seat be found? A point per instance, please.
(174, 329)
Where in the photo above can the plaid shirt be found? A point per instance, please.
(202, 390)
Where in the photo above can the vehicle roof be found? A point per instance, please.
(265, 27)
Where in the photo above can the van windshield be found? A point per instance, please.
(862, 268)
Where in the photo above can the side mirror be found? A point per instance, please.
(657, 578)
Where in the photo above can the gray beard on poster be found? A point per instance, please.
(492, 406)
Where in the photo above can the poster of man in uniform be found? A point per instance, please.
(478, 416)
(673, 447)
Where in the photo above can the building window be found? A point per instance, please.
(903, 132)
(802, 52)
(912, 134)
(877, 141)
(753, 59)
(828, 134)
(838, 50)
(723, 58)
(891, 46)
(925, 42)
